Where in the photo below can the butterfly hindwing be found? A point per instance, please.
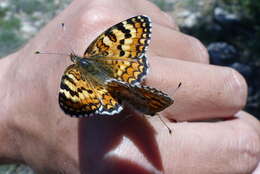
(80, 95)
(143, 98)
(122, 49)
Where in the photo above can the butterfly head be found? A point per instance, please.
(85, 64)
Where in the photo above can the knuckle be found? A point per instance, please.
(96, 16)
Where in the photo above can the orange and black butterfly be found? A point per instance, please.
(109, 74)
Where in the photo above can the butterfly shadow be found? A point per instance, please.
(100, 136)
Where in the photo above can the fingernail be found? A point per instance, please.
(238, 86)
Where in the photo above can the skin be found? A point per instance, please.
(34, 130)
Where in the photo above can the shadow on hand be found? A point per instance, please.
(100, 135)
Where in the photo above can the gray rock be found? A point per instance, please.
(222, 53)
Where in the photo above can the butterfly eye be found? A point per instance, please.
(84, 62)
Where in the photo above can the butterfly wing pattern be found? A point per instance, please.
(110, 73)
(82, 96)
(142, 98)
(127, 40)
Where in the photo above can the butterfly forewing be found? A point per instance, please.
(80, 95)
(122, 48)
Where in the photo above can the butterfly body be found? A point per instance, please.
(109, 74)
(92, 68)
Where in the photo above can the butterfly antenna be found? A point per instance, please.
(54, 53)
(63, 26)
(69, 49)
(179, 85)
(72, 52)
(169, 129)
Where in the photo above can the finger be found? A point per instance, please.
(165, 41)
(170, 43)
(192, 148)
(230, 146)
(115, 136)
(207, 91)
(255, 124)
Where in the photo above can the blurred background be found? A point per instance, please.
(228, 28)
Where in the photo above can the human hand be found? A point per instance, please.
(35, 131)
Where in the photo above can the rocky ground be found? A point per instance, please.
(232, 39)
(230, 36)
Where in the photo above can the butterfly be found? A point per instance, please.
(110, 73)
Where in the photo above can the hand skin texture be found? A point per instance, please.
(35, 131)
